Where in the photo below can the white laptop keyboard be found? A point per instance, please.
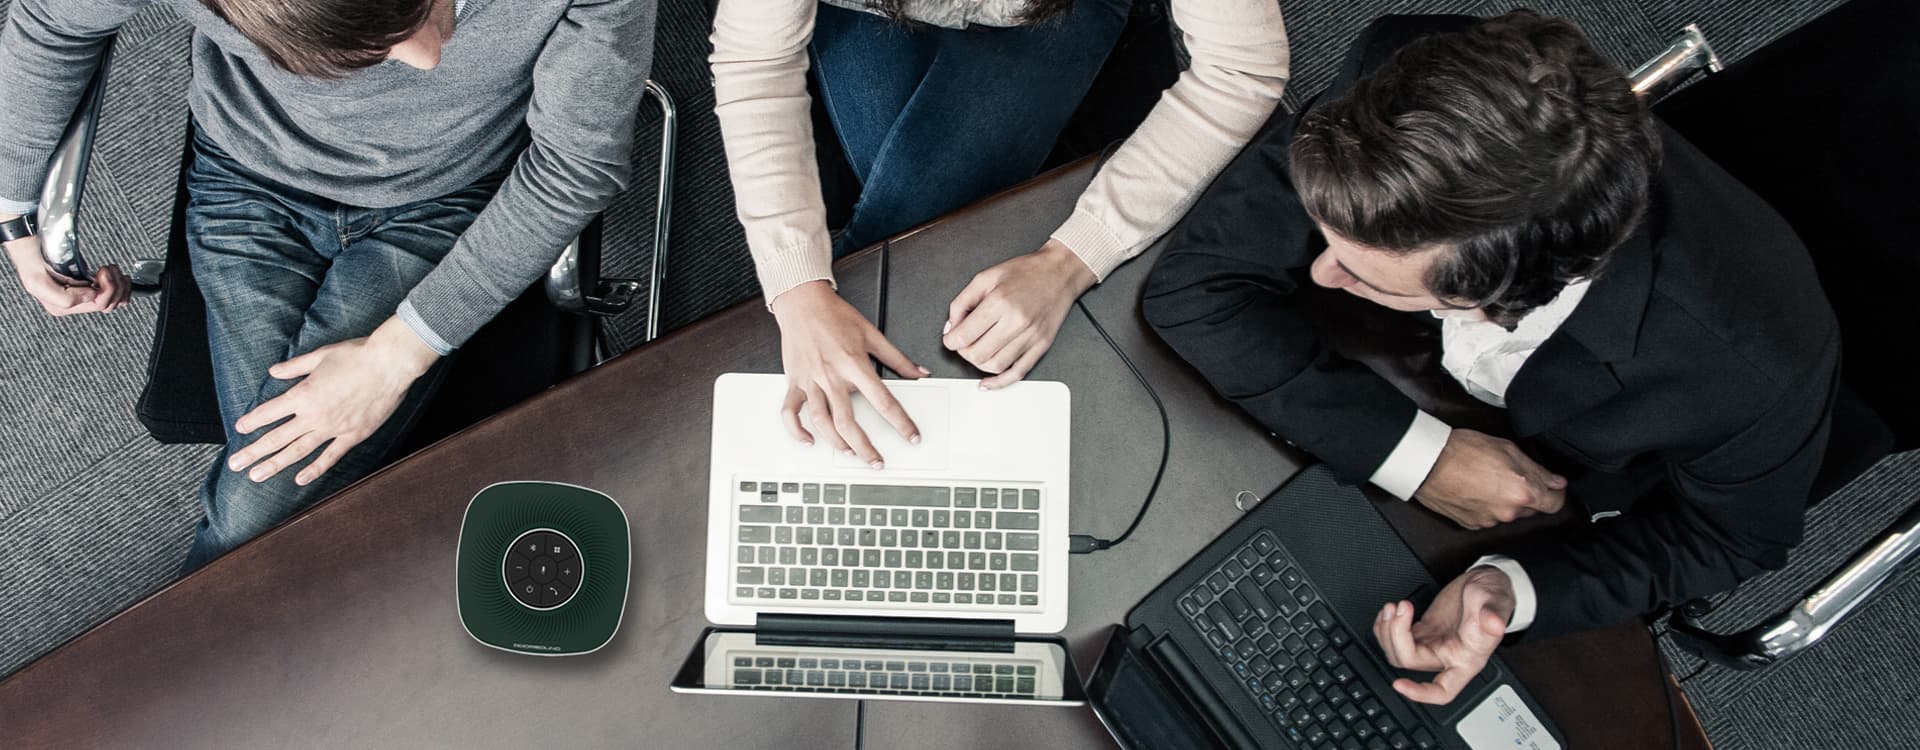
(935, 675)
(887, 546)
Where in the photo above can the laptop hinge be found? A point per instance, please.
(929, 633)
(1201, 698)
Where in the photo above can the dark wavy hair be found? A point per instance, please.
(1514, 143)
(324, 38)
(1038, 11)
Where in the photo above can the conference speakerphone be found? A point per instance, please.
(542, 568)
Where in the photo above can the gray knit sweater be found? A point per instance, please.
(549, 85)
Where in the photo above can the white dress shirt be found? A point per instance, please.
(1484, 358)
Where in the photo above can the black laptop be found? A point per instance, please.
(1264, 640)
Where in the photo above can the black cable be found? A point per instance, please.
(1081, 544)
(880, 307)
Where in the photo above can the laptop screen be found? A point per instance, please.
(1033, 671)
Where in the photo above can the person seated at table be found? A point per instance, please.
(372, 180)
(939, 103)
(1648, 325)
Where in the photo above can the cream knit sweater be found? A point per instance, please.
(1239, 68)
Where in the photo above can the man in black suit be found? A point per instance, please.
(1647, 323)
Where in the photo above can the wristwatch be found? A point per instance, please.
(18, 229)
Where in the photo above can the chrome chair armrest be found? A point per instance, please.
(574, 284)
(67, 182)
(1688, 54)
(1798, 628)
(66, 185)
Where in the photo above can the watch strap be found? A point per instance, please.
(19, 228)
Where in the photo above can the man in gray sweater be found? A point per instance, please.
(372, 181)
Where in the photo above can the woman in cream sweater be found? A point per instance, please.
(941, 102)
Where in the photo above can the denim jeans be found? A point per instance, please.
(933, 119)
(285, 272)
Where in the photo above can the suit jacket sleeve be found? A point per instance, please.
(1223, 295)
(1737, 508)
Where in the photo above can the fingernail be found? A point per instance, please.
(846, 452)
(946, 327)
(806, 442)
(302, 480)
(233, 464)
(924, 371)
(879, 465)
(983, 386)
(257, 475)
(915, 439)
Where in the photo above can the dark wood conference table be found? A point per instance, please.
(339, 629)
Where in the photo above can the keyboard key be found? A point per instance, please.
(835, 494)
(1222, 620)
(1247, 558)
(1217, 582)
(751, 576)
(992, 539)
(1029, 583)
(756, 534)
(1023, 521)
(1030, 499)
(1262, 606)
(983, 519)
(759, 514)
(1322, 616)
(965, 497)
(1236, 606)
(1233, 569)
(990, 498)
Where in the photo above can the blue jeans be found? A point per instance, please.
(933, 119)
(285, 272)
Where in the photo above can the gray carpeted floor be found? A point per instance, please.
(97, 515)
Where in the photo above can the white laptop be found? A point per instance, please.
(952, 552)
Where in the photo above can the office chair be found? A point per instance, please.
(1766, 120)
(540, 339)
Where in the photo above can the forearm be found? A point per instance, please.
(1239, 70)
(760, 97)
(48, 51)
(587, 87)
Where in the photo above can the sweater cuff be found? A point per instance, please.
(411, 317)
(793, 266)
(1094, 242)
(11, 206)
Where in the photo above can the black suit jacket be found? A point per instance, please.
(1703, 357)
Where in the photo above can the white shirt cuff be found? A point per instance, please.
(11, 206)
(1525, 604)
(1406, 468)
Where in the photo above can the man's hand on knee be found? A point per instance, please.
(1481, 481)
(349, 391)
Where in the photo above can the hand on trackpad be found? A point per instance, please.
(928, 406)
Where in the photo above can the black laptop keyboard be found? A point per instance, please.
(1312, 677)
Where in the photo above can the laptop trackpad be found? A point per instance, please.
(929, 407)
